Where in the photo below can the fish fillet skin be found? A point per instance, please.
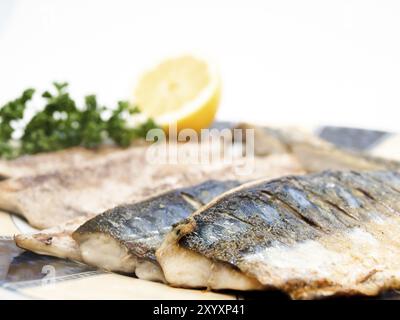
(271, 166)
(48, 162)
(312, 236)
(125, 238)
(50, 199)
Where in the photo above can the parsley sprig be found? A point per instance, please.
(61, 124)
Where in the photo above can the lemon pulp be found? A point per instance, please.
(183, 91)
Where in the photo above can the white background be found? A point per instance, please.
(287, 62)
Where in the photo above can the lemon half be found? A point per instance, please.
(184, 91)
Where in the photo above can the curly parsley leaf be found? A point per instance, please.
(10, 113)
(61, 124)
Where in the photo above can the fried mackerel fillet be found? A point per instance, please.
(51, 199)
(42, 163)
(57, 241)
(125, 238)
(313, 153)
(54, 197)
(331, 233)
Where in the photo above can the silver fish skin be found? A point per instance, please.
(133, 232)
(312, 236)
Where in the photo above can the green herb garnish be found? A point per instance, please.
(61, 124)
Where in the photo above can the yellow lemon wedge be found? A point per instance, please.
(183, 91)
